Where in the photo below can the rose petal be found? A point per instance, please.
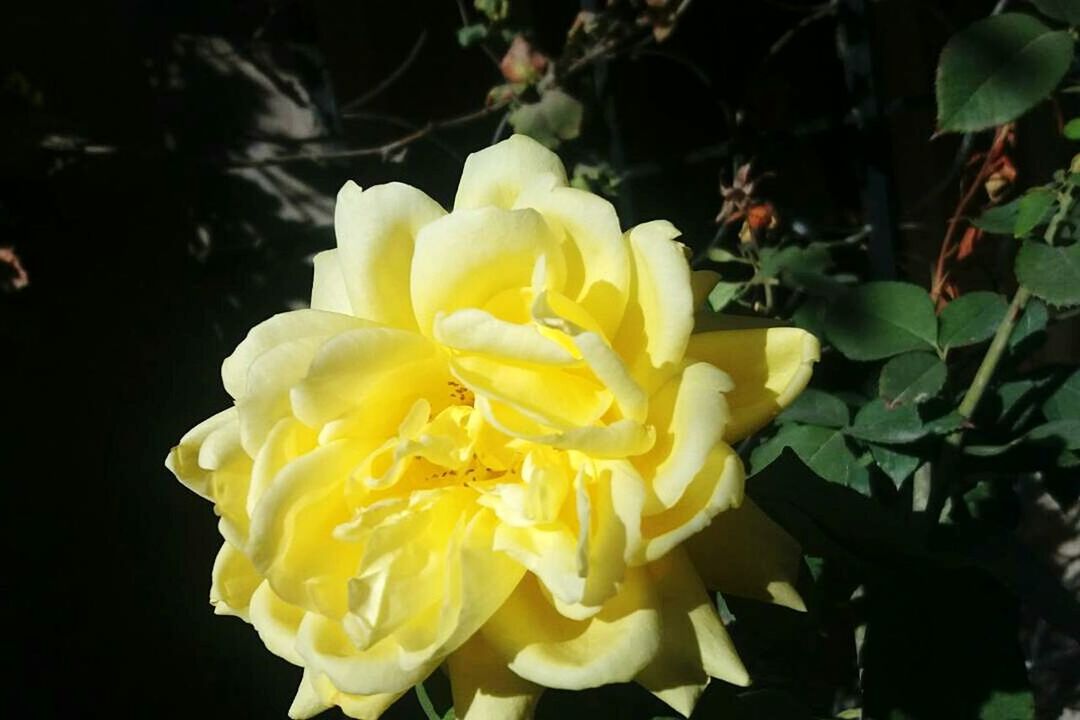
(695, 644)
(597, 255)
(233, 581)
(548, 649)
(660, 313)
(328, 291)
(376, 230)
(743, 552)
(467, 258)
(484, 688)
(769, 366)
(277, 623)
(496, 175)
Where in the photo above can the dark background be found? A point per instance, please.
(131, 188)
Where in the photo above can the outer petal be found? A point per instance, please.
(465, 259)
(233, 581)
(497, 175)
(660, 314)
(316, 694)
(375, 231)
(770, 367)
(484, 687)
(690, 413)
(348, 365)
(211, 462)
(279, 329)
(328, 291)
(743, 552)
(554, 651)
(277, 623)
(695, 644)
(718, 486)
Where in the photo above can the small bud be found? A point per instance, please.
(522, 63)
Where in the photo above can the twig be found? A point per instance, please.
(383, 150)
(948, 249)
(389, 79)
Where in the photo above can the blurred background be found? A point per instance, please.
(169, 169)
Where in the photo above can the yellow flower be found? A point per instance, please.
(484, 446)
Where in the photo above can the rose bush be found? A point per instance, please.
(485, 445)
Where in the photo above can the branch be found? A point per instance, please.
(390, 79)
(383, 150)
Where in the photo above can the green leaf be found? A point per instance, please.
(1000, 219)
(971, 318)
(469, 35)
(1033, 208)
(1009, 705)
(997, 69)
(1067, 11)
(556, 117)
(816, 407)
(1063, 433)
(810, 316)
(1050, 272)
(877, 422)
(881, 319)
(911, 378)
(893, 462)
(1064, 403)
(1032, 321)
(723, 294)
(945, 424)
(1072, 129)
(824, 450)
(812, 258)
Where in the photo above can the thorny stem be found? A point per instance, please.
(942, 486)
(1001, 338)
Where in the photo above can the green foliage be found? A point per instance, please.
(1072, 129)
(895, 462)
(469, 35)
(971, 318)
(912, 378)
(1067, 11)
(997, 69)
(1033, 210)
(1000, 219)
(554, 118)
(1064, 403)
(824, 450)
(816, 407)
(881, 319)
(1032, 322)
(1050, 272)
(879, 423)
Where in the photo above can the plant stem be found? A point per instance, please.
(1001, 338)
(993, 354)
(425, 702)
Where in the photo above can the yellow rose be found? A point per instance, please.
(484, 446)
